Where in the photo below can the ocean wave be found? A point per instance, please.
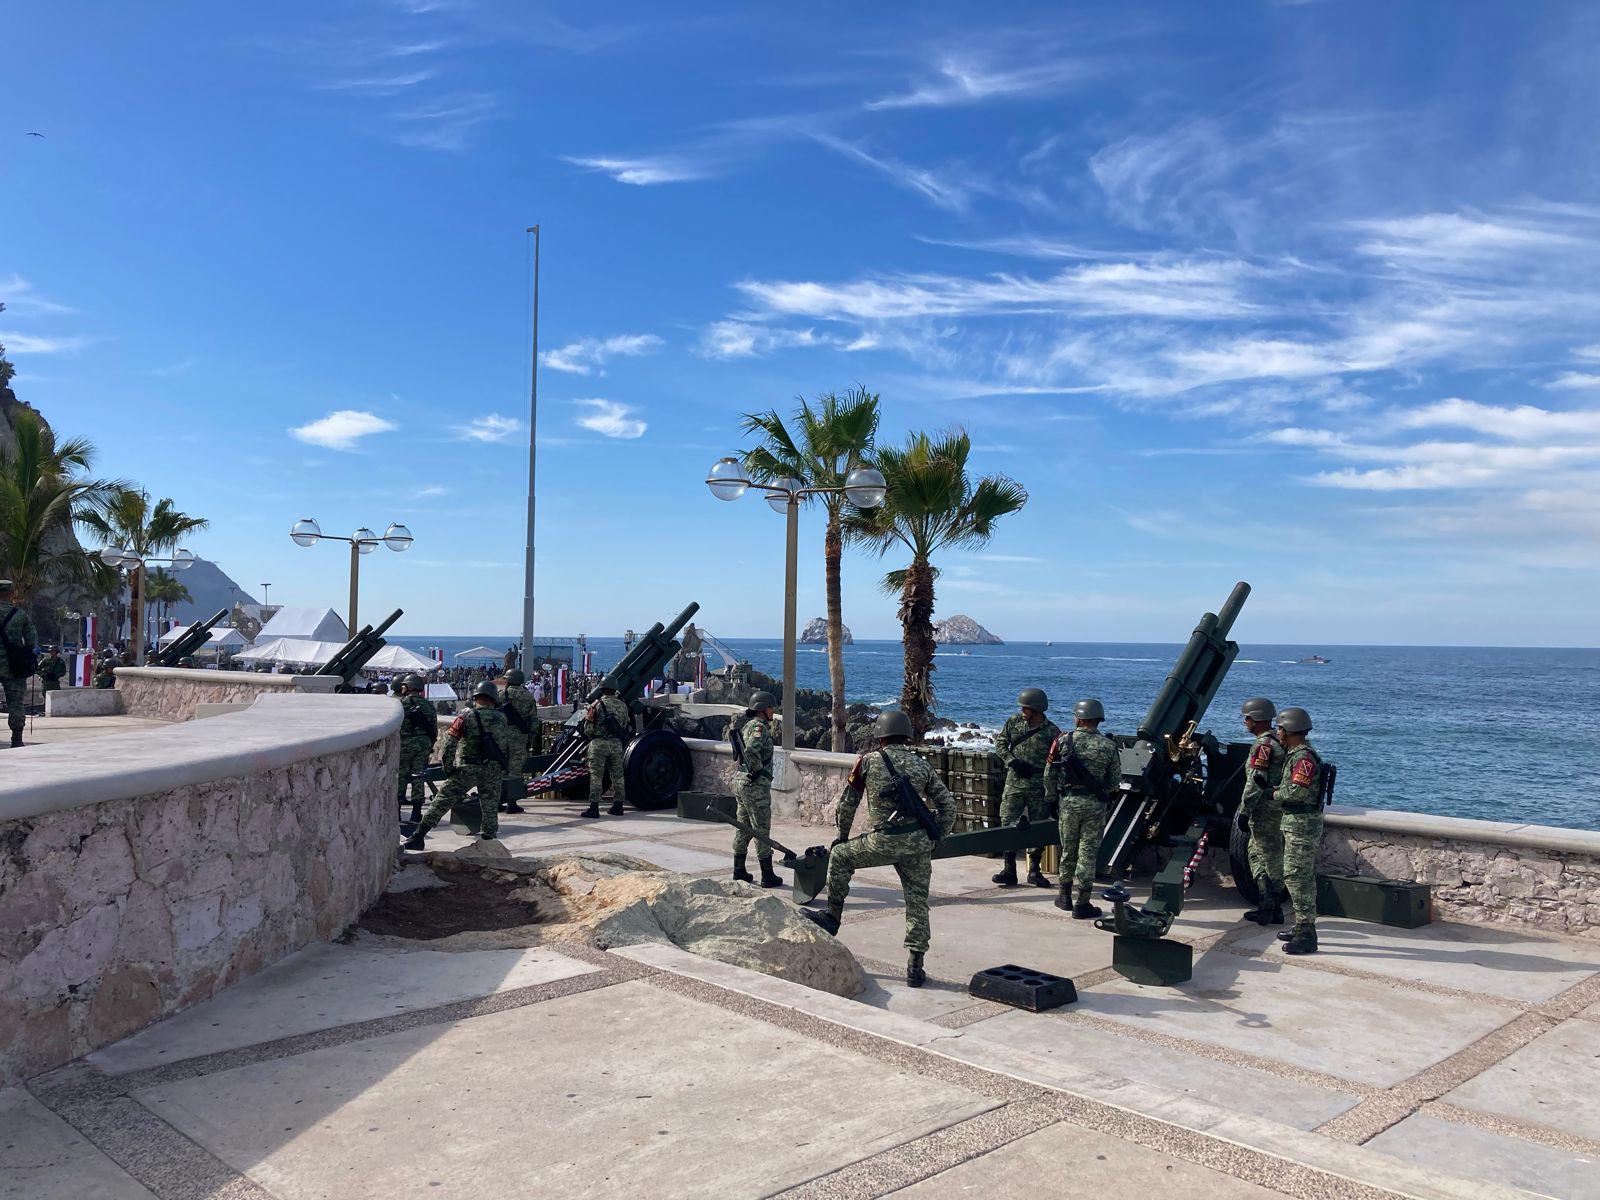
(1120, 658)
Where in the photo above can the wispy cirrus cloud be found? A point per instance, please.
(646, 170)
(21, 298)
(610, 419)
(749, 339)
(955, 79)
(342, 429)
(491, 427)
(584, 355)
(951, 188)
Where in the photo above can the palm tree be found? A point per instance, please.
(128, 520)
(825, 445)
(164, 589)
(931, 505)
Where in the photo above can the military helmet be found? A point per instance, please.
(1089, 710)
(892, 723)
(487, 689)
(1258, 708)
(415, 682)
(1294, 720)
(1033, 698)
(5, 586)
(763, 700)
(515, 677)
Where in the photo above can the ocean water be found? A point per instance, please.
(1497, 734)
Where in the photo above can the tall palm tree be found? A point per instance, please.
(165, 589)
(931, 505)
(128, 520)
(826, 443)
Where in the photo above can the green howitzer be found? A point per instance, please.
(188, 642)
(810, 869)
(357, 652)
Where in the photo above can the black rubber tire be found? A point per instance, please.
(657, 767)
(1239, 859)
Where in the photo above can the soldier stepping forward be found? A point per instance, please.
(1300, 796)
(752, 785)
(18, 637)
(895, 839)
(1261, 812)
(606, 723)
(419, 730)
(1024, 743)
(524, 734)
(479, 735)
(1082, 774)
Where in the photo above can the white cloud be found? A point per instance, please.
(1452, 240)
(431, 491)
(28, 343)
(963, 80)
(20, 298)
(492, 427)
(1521, 422)
(586, 354)
(950, 188)
(446, 122)
(742, 339)
(610, 419)
(1008, 558)
(1574, 381)
(341, 430)
(380, 85)
(647, 170)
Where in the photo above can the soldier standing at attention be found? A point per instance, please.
(1261, 812)
(606, 723)
(419, 730)
(18, 637)
(1300, 795)
(479, 735)
(522, 724)
(752, 785)
(894, 839)
(52, 669)
(1024, 742)
(1082, 774)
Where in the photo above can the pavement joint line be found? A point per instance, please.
(1571, 1003)
(1528, 1131)
(971, 1015)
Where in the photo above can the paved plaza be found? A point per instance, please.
(1446, 1062)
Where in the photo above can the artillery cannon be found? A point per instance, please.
(357, 652)
(656, 763)
(192, 639)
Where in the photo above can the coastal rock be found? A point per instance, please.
(816, 633)
(962, 630)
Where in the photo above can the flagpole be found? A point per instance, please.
(533, 440)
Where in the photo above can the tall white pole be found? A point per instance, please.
(533, 442)
(791, 714)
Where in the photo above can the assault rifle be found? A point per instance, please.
(908, 802)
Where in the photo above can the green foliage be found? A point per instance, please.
(128, 520)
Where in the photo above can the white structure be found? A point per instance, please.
(316, 624)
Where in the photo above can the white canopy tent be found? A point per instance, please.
(479, 654)
(398, 658)
(307, 652)
(227, 639)
(313, 624)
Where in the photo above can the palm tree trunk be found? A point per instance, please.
(916, 623)
(832, 554)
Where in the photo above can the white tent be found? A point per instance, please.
(316, 624)
(480, 652)
(304, 652)
(398, 658)
(225, 638)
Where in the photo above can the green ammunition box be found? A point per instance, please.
(1395, 902)
(938, 758)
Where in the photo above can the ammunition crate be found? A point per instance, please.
(975, 761)
(1396, 902)
(937, 758)
(964, 783)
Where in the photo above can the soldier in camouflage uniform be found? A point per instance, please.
(419, 730)
(894, 838)
(17, 640)
(607, 724)
(1260, 811)
(752, 785)
(522, 725)
(1081, 775)
(1024, 743)
(479, 735)
(52, 670)
(1300, 795)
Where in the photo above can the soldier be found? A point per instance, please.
(752, 784)
(1260, 812)
(522, 720)
(1082, 773)
(18, 637)
(893, 839)
(480, 736)
(419, 730)
(52, 669)
(105, 670)
(1300, 798)
(606, 723)
(1024, 742)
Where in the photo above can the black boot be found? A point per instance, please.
(1285, 934)
(1302, 940)
(1064, 896)
(616, 809)
(1269, 911)
(511, 806)
(741, 872)
(16, 738)
(1006, 876)
(827, 920)
(769, 877)
(417, 840)
(1035, 876)
(915, 975)
(1083, 910)
(592, 811)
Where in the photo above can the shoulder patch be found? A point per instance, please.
(1261, 756)
(1304, 771)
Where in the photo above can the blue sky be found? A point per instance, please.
(1301, 293)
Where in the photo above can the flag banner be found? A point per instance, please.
(588, 662)
(561, 685)
(83, 670)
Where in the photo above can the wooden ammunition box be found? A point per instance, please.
(1395, 902)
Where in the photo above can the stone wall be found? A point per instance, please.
(805, 788)
(173, 693)
(277, 830)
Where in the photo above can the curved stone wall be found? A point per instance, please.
(142, 872)
(173, 693)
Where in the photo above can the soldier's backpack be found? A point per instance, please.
(21, 661)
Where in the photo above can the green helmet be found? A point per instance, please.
(415, 683)
(1033, 698)
(763, 700)
(487, 689)
(515, 677)
(1089, 710)
(1258, 708)
(892, 723)
(1294, 720)
(5, 586)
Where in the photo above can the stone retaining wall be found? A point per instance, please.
(173, 693)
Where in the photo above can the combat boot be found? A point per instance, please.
(915, 975)
(511, 806)
(592, 811)
(1285, 934)
(1269, 911)
(1064, 896)
(769, 877)
(16, 738)
(417, 840)
(1083, 910)
(1006, 876)
(616, 809)
(1303, 940)
(827, 920)
(1035, 876)
(741, 872)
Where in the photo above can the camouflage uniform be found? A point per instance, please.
(1031, 744)
(517, 703)
(1300, 795)
(1083, 813)
(899, 843)
(52, 670)
(419, 729)
(1263, 807)
(752, 785)
(19, 635)
(605, 748)
(479, 767)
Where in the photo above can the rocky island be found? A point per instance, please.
(816, 633)
(962, 630)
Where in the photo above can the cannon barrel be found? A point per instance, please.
(650, 654)
(189, 641)
(358, 651)
(1198, 673)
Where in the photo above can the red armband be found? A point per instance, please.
(458, 726)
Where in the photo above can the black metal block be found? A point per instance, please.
(1023, 987)
(706, 806)
(1154, 962)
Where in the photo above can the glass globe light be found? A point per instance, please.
(397, 537)
(864, 487)
(727, 480)
(116, 556)
(305, 532)
(779, 501)
(182, 560)
(366, 541)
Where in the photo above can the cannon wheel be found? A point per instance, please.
(656, 768)
(1239, 859)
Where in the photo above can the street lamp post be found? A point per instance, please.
(863, 487)
(363, 541)
(266, 598)
(135, 563)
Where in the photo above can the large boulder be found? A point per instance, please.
(816, 632)
(962, 630)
